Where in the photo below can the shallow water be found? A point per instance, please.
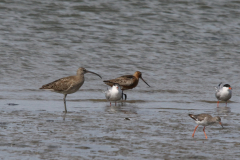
(183, 49)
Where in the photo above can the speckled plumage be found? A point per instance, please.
(68, 85)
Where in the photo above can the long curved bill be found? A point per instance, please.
(221, 124)
(145, 81)
(94, 73)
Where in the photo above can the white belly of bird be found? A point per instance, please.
(113, 96)
(225, 96)
(203, 122)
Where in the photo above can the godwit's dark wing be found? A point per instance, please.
(126, 80)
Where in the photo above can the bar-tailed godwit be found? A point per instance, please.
(127, 81)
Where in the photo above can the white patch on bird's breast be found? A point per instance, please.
(202, 122)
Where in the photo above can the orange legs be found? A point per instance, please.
(218, 104)
(115, 104)
(204, 132)
(194, 130)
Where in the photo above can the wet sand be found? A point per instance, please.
(137, 129)
(183, 48)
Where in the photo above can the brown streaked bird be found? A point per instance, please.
(205, 120)
(68, 85)
(127, 81)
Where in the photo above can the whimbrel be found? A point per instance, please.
(127, 81)
(205, 120)
(68, 85)
(223, 93)
(114, 94)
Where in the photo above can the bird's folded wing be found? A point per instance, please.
(201, 117)
(59, 85)
(126, 80)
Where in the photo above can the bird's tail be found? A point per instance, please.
(218, 87)
(105, 91)
(192, 116)
(108, 83)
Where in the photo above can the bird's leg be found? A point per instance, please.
(217, 103)
(204, 132)
(125, 96)
(226, 103)
(110, 104)
(64, 116)
(64, 100)
(115, 103)
(194, 130)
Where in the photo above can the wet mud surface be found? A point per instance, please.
(95, 130)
